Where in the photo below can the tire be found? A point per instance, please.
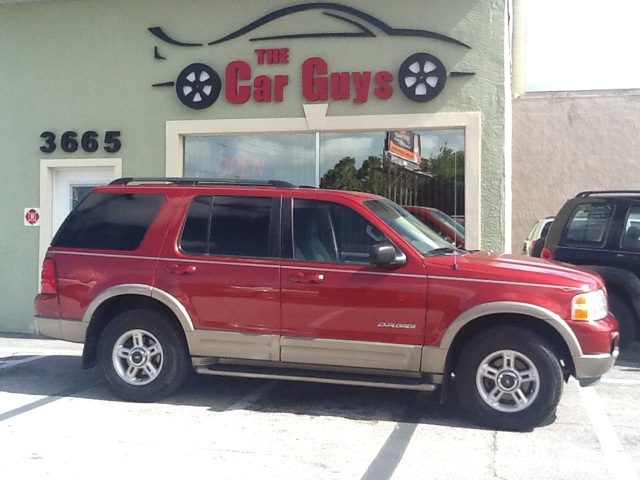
(626, 320)
(143, 356)
(480, 376)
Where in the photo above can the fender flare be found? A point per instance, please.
(144, 291)
(434, 358)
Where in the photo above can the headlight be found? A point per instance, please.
(589, 306)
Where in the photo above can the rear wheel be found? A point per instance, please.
(626, 319)
(508, 378)
(143, 356)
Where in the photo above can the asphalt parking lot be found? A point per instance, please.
(58, 421)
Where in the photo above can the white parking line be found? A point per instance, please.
(248, 399)
(620, 381)
(8, 363)
(617, 460)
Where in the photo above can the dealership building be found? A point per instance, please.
(93, 90)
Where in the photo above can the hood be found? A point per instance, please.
(521, 269)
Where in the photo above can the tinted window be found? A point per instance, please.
(109, 221)
(332, 233)
(229, 226)
(631, 237)
(195, 233)
(588, 225)
(545, 229)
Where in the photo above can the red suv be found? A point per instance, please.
(161, 276)
(439, 222)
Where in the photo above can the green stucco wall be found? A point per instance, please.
(89, 65)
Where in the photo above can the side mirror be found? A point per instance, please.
(384, 255)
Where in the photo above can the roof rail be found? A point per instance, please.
(607, 192)
(204, 181)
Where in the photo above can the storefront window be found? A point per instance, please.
(291, 158)
(420, 167)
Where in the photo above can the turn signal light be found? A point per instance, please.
(48, 283)
(546, 254)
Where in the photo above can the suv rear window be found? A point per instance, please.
(109, 221)
(588, 225)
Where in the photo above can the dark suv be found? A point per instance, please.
(268, 280)
(600, 230)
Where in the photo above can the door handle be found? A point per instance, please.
(307, 278)
(176, 269)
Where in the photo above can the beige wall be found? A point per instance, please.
(568, 142)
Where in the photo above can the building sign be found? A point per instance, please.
(420, 77)
(405, 145)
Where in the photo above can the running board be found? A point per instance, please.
(336, 378)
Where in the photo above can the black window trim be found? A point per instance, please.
(589, 245)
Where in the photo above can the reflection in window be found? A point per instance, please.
(588, 224)
(290, 158)
(420, 167)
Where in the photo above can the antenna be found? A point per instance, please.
(455, 208)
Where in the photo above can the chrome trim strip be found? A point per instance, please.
(186, 259)
(505, 282)
(351, 353)
(336, 270)
(107, 255)
(217, 343)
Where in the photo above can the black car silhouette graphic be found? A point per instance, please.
(421, 76)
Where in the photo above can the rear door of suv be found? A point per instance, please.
(337, 309)
(221, 260)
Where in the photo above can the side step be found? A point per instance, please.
(338, 378)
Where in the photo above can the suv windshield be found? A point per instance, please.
(423, 239)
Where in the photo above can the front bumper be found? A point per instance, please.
(590, 368)
(62, 329)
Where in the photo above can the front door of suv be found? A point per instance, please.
(337, 309)
(222, 263)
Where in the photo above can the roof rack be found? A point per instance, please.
(204, 181)
(607, 192)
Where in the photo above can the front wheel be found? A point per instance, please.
(143, 356)
(508, 378)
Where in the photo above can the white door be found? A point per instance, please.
(70, 186)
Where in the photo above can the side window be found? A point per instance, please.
(109, 221)
(631, 237)
(588, 225)
(229, 227)
(332, 233)
(195, 233)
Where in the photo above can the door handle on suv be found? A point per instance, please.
(181, 269)
(307, 278)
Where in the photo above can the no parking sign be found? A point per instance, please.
(32, 217)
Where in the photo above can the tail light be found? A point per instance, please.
(49, 283)
(546, 254)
